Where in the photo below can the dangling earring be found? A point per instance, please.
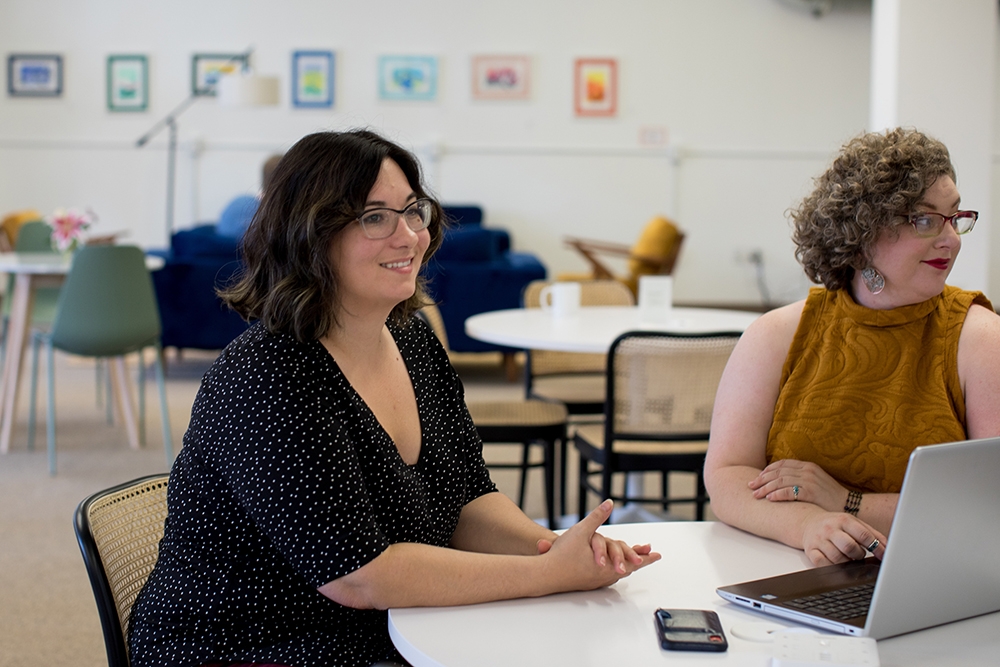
(873, 279)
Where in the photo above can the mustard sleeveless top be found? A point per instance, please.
(862, 388)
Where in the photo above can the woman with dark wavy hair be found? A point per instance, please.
(823, 400)
(331, 469)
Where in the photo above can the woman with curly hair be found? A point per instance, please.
(823, 400)
(331, 469)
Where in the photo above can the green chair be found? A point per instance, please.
(107, 308)
(34, 236)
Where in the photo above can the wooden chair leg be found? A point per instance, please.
(702, 498)
(510, 366)
(562, 463)
(142, 399)
(125, 402)
(525, 460)
(550, 481)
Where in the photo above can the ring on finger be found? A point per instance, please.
(873, 546)
(795, 494)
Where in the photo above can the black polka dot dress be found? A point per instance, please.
(287, 481)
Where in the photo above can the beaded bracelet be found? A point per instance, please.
(853, 502)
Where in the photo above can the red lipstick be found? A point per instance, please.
(940, 263)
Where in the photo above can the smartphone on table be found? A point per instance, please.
(690, 630)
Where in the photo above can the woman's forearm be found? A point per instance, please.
(419, 575)
(493, 524)
(733, 502)
(878, 509)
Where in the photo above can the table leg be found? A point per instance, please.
(20, 307)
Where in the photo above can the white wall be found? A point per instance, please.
(755, 95)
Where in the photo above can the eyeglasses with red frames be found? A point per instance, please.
(381, 223)
(930, 224)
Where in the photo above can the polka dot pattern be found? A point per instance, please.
(287, 481)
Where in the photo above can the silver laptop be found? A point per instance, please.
(940, 564)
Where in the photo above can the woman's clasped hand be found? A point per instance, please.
(805, 481)
(582, 554)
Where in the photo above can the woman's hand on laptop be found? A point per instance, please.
(837, 537)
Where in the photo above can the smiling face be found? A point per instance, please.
(376, 274)
(915, 268)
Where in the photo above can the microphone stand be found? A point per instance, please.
(170, 122)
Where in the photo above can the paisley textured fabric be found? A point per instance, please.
(862, 388)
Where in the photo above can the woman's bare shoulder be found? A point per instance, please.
(979, 371)
(980, 332)
(776, 328)
(981, 317)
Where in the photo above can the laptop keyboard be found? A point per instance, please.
(840, 604)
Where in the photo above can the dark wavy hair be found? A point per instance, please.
(876, 178)
(319, 187)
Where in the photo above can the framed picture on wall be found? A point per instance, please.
(128, 83)
(500, 77)
(595, 86)
(312, 79)
(206, 68)
(407, 77)
(34, 75)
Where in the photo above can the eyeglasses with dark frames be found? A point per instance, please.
(381, 223)
(930, 224)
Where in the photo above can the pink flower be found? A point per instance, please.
(68, 227)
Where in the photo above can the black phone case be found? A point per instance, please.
(690, 630)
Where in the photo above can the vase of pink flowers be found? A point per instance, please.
(68, 227)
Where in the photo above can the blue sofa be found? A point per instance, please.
(199, 261)
(474, 271)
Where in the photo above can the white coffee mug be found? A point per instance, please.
(562, 299)
(656, 298)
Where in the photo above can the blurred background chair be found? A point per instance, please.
(107, 308)
(660, 396)
(574, 379)
(528, 423)
(474, 271)
(119, 532)
(655, 253)
(31, 236)
(11, 224)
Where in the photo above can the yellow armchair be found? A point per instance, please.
(10, 225)
(654, 253)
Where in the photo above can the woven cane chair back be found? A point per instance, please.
(432, 315)
(663, 386)
(119, 532)
(592, 293)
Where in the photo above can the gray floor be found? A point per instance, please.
(47, 612)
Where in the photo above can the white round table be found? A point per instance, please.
(594, 328)
(614, 626)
